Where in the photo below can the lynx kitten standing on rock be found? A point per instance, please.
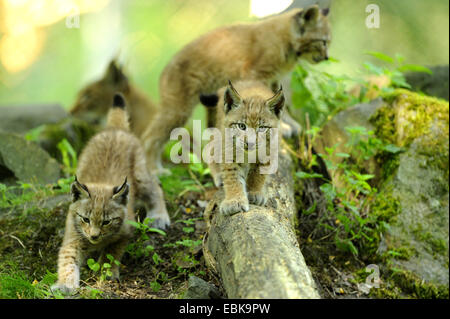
(111, 174)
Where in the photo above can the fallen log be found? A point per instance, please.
(256, 253)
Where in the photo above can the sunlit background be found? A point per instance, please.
(50, 48)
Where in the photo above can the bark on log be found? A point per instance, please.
(256, 253)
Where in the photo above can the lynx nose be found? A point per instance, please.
(95, 237)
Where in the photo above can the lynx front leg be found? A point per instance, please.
(289, 127)
(256, 187)
(172, 114)
(216, 173)
(69, 260)
(235, 200)
(149, 191)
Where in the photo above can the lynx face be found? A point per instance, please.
(311, 35)
(94, 101)
(253, 114)
(99, 211)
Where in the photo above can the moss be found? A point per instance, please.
(409, 115)
(404, 252)
(383, 210)
(400, 284)
(437, 245)
(417, 288)
(386, 293)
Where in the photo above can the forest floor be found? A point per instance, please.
(156, 265)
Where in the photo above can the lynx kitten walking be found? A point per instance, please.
(111, 174)
(252, 106)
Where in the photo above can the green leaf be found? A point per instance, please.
(391, 148)
(373, 68)
(308, 175)
(93, 265)
(414, 68)
(155, 286)
(106, 265)
(356, 130)
(133, 223)
(381, 56)
(329, 191)
(345, 155)
(156, 259)
(188, 229)
(156, 230)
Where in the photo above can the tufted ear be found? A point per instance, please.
(276, 102)
(120, 193)
(231, 98)
(78, 190)
(307, 17)
(115, 76)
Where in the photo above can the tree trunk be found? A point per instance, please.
(256, 253)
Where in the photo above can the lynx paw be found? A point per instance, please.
(160, 220)
(257, 198)
(65, 289)
(290, 129)
(233, 206)
(158, 169)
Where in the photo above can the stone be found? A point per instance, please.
(435, 84)
(200, 289)
(419, 124)
(22, 118)
(26, 160)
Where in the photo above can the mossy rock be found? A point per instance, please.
(418, 180)
(76, 131)
(26, 160)
(435, 84)
(20, 119)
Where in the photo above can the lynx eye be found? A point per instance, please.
(242, 126)
(106, 222)
(85, 219)
(262, 129)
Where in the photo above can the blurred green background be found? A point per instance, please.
(44, 61)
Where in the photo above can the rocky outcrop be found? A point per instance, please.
(416, 241)
(435, 84)
(26, 160)
(20, 119)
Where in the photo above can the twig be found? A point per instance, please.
(20, 242)
(196, 180)
(308, 136)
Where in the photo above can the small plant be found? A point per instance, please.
(395, 71)
(69, 157)
(15, 284)
(347, 203)
(321, 95)
(188, 222)
(105, 268)
(140, 247)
